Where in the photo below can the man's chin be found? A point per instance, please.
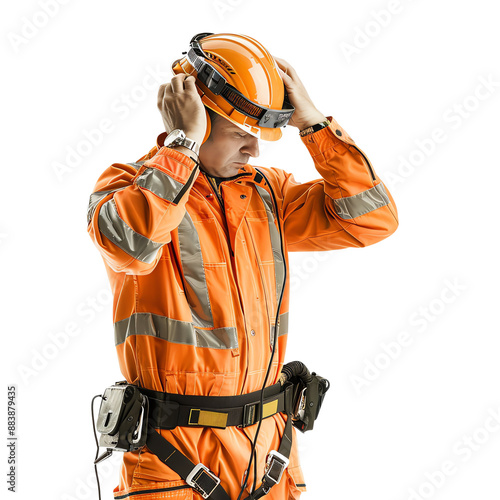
(236, 167)
(229, 170)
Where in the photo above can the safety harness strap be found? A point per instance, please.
(277, 462)
(197, 476)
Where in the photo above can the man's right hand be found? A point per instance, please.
(181, 107)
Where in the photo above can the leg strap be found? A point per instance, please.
(197, 476)
(277, 462)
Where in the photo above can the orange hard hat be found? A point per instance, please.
(238, 78)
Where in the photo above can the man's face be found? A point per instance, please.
(227, 149)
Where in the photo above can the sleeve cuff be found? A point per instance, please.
(174, 163)
(324, 139)
(160, 141)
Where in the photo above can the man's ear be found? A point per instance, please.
(209, 127)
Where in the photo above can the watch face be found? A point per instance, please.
(175, 136)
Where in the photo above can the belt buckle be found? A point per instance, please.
(275, 466)
(196, 474)
(249, 414)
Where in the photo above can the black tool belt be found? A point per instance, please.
(167, 411)
(130, 416)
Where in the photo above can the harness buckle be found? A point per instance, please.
(275, 466)
(249, 414)
(203, 480)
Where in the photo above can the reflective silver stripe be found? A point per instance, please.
(194, 273)
(175, 331)
(279, 266)
(362, 203)
(123, 236)
(95, 198)
(137, 165)
(283, 329)
(159, 183)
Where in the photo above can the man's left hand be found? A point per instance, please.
(305, 114)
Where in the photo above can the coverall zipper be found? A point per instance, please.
(215, 189)
(221, 202)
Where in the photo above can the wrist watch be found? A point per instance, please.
(178, 138)
(314, 128)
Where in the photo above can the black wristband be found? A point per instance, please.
(314, 128)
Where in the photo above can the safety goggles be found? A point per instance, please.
(217, 84)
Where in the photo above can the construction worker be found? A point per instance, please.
(195, 241)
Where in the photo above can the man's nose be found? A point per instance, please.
(251, 147)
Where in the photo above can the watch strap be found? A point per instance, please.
(190, 144)
(185, 142)
(314, 128)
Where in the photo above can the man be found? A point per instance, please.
(195, 241)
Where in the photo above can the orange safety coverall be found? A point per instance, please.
(196, 288)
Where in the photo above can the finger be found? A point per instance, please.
(190, 83)
(282, 64)
(164, 88)
(284, 69)
(178, 83)
(287, 79)
(287, 68)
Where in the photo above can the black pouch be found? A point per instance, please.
(308, 398)
(123, 417)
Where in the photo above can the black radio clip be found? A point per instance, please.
(308, 394)
(122, 419)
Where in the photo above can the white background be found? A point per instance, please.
(391, 73)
